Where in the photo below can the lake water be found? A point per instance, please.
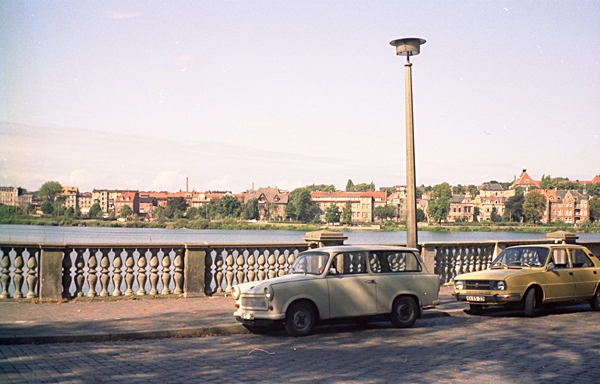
(33, 233)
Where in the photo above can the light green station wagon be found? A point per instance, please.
(356, 282)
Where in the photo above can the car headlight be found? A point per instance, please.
(459, 285)
(269, 292)
(501, 285)
(236, 292)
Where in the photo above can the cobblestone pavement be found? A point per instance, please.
(561, 346)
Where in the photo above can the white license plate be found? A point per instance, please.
(475, 298)
(248, 316)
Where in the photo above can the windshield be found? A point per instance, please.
(517, 257)
(310, 263)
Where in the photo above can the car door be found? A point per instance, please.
(558, 284)
(585, 275)
(352, 291)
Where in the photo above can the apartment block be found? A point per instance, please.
(363, 203)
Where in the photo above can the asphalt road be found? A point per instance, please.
(561, 346)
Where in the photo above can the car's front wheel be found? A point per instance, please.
(300, 319)
(595, 301)
(530, 303)
(404, 312)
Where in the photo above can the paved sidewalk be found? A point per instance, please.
(83, 320)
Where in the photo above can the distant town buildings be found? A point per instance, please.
(568, 206)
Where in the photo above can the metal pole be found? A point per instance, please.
(411, 201)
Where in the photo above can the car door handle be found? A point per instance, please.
(370, 281)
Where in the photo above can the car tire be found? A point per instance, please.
(475, 309)
(257, 329)
(595, 301)
(404, 312)
(530, 303)
(300, 319)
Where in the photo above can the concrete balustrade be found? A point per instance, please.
(51, 271)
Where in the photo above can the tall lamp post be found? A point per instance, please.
(408, 47)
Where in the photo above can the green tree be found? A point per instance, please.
(473, 190)
(95, 211)
(458, 190)
(175, 204)
(332, 214)
(49, 190)
(595, 209)
(347, 213)
(593, 189)
(299, 206)
(251, 210)
(126, 211)
(384, 212)
(364, 187)
(230, 206)
(420, 215)
(476, 213)
(70, 212)
(192, 213)
(534, 206)
(513, 208)
(47, 207)
(494, 216)
(439, 204)
(321, 187)
(349, 186)
(158, 212)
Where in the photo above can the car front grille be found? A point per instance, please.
(254, 302)
(477, 284)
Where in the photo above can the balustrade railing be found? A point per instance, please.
(67, 271)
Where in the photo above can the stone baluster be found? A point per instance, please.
(393, 261)
(471, 257)
(154, 272)
(460, 264)
(456, 261)
(446, 273)
(67, 264)
(92, 276)
(5, 279)
(117, 270)
(251, 261)
(32, 278)
(209, 271)
(291, 258)
(476, 258)
(18, 278)
(280, 263)
(79, 278)
(271, 261)
(219, 271)
(166, 273)
(141, 278)
(437, 263)
(240, 267)
(129, 276)
(229, 272)
(261, 264)
(354, 263)
(104, 272)
(178, 274)
(402, 262)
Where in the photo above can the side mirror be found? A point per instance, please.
(550, 266)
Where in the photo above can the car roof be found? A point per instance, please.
(362, 248)
(549, 245)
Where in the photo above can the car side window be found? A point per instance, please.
(350, 263)
(580, 259)
(381, 262)
(560, 259)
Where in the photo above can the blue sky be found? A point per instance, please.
(142, 94)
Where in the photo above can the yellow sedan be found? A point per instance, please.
(533, 275)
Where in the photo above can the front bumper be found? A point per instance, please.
(488, 298)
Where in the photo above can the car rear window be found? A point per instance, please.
(385, 262)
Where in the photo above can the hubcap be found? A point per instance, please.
(301, 319)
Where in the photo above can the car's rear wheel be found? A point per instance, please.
(531, 302)
(300, 319)
(475, 309)
(404, 312)
(595, 301)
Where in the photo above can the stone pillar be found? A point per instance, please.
(561, 237)
(318, 239)
(194, 264)
(428, 256)
(51, 270)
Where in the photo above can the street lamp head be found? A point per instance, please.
(409, 46)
